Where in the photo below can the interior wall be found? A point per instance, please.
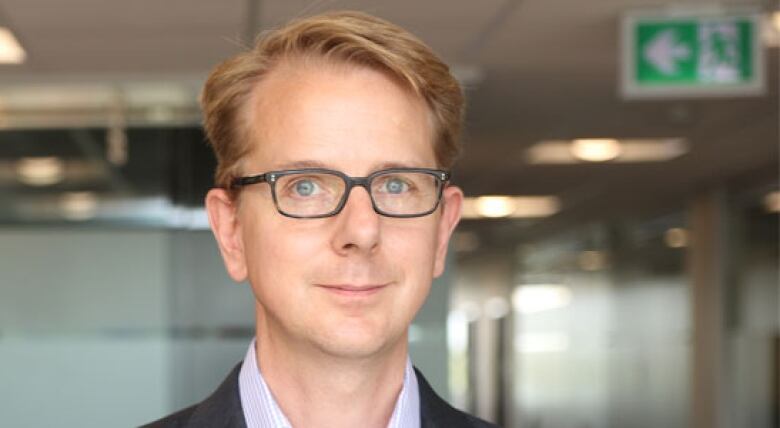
(112, 327)
(82, 327)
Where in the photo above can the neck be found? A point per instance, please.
(312, 386)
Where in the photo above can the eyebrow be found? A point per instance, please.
(317, 164)
(301, 164)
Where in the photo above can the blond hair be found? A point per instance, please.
(346, 37)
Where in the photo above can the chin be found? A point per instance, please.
(358, 344)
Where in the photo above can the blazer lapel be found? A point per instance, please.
(434, 411)
(437, 413)
(221, 409)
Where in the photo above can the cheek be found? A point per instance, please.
(414, 254)
(277, 255)
(412, 247)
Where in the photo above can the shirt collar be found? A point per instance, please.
(261, 410)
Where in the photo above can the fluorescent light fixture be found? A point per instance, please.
(495, 206)
(11, 52)
(160, 114)
(510, 206)
(676, 237)
(55, 97)
(772, 201)
(40, 171)
(595, 149)
(79, 206)
(530, 299)
(605, 149)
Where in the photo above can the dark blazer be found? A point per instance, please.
(222, 409)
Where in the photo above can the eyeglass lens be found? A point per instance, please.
(395, 193)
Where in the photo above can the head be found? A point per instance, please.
(352, 93)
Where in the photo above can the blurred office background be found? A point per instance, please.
(618, 266)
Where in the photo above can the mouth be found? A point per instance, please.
(350, 290)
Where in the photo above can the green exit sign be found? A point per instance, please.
(690, 54)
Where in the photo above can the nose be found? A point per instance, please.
(357, 225)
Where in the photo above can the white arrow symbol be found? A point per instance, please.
(663, 52)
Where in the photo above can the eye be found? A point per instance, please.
(395, 185)
(305, 187)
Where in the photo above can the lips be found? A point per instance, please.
(353, 290)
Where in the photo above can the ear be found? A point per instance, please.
(452, 201)
(223, 219)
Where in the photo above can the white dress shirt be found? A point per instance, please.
(262, 411)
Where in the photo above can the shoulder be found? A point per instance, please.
(221, 409)
(435, 412)
(175, 420)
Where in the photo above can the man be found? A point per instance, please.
(334, 137)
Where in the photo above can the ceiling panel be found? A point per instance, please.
(114, 15)
(119, 36)
(446, 28)
(554, 34)
(128, 54)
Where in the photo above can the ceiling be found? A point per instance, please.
(534, 69)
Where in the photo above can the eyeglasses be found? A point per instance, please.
(317, 192)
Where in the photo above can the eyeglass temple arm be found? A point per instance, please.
(246, 181)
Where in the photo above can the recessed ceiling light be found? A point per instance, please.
(495, 206)
(40, 171)
(676, 237)
(11, 52)
(614, 150)
(510, 206)
(772, 201)
(79, 206)
(595, 149)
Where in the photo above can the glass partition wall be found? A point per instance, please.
(599, 324)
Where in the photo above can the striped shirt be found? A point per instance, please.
(262, 411)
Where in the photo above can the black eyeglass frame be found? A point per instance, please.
(271, 177)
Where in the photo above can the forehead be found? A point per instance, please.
(339, 116)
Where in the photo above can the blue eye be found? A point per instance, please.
(396, 186)
(305, 187)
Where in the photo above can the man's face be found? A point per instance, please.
(351, 284)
